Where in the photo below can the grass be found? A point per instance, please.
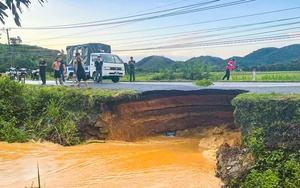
(236, 76)
(276, 76)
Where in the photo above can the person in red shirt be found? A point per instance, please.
(228, 69)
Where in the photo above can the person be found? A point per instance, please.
(228, 69)
(62, 67)
(131, 64)
(79, 69)
(42, 65)
(57, 74)
(98, 65)
(74, 78)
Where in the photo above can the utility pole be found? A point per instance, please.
(9, 47)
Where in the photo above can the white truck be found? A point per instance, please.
(113, 66)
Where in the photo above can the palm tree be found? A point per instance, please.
(15, 7)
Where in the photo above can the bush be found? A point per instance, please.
(204, 82)
(272, 134)
(261, 110)
(264, 179)
(49, 113)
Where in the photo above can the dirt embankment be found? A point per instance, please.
(161, 111)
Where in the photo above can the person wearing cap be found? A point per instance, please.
(98, 65)
(131, 64)
(79, 69)
(228, 69)
(62, 67)
(42, 65)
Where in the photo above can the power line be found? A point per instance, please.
(197, 32)
(176, 13)
(196, 44)
(196, 23)
(164, 37)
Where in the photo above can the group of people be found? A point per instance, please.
(59, 68)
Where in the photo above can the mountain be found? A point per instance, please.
(215, 61)
(265, 57)
(154, 63)
(24, 56)
(268, 56)
(260, 57)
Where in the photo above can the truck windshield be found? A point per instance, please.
(108, 58)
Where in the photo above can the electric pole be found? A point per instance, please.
(9, 47)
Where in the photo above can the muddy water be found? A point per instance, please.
(152, 162)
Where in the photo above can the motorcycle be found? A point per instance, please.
(35, 74)
(22, 75)
(12, 73)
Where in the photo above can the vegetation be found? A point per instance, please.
(204, 82)
(194, 71)
(265, 59)
(49, 113)
(25, 56)
(271, 127)
(15, 7)
(154, 64)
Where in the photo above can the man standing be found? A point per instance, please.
(131, 64)
(57, 74)
(62, 67)
(79, 68)
(98, 65)
(228, 69)
(42, 65)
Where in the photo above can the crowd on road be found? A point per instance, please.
(60, 69)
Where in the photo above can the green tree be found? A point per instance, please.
(15, 7)
(15, 40)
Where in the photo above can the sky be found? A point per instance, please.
(190, 28)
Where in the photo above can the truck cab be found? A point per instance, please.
(113, 66)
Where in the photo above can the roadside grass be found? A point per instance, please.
(236, 76)
(30, 112)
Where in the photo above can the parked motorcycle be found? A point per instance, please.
(22, 75)
(12, 73)
(35, 74)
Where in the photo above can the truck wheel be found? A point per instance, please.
(115, 79)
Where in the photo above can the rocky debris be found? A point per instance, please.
(217, 130)
(232, 163)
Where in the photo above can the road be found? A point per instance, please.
(259, 87)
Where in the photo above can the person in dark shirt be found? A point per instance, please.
(79, 69)
(131, 64)
(42, 65)
(98, 65)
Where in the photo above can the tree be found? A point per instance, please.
(15, 40)
(15, 7)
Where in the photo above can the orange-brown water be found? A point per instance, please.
(152, 162)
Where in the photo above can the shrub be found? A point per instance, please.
(273, 135)
(264, 179)
(49, 113)
(204, 82)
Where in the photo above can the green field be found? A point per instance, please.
(276, 76)
(236, 76)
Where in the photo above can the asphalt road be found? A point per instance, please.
(259, 87)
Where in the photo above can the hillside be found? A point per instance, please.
(24, 56)
(154, 64)
(268, 56)
(262, 59)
